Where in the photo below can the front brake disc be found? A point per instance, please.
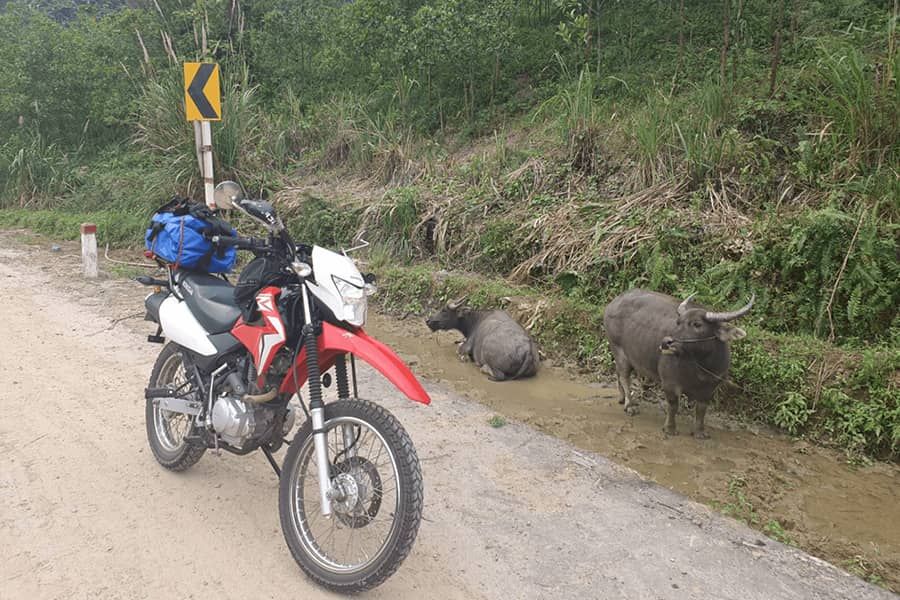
(368, 481)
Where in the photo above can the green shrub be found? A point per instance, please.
(792, 413)
(802, 260)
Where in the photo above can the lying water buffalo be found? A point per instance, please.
(494, 340)
(679, 344)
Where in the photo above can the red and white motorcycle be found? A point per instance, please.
(350, 494)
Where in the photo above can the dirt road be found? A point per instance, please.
(85, 511)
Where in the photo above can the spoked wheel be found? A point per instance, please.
(376, 488)
(166, 431)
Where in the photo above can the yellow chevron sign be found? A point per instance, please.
(202, 97)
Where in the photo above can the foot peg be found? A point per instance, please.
(151, 393)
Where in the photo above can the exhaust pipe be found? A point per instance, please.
(260, 398)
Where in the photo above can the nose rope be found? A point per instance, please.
(729, 381)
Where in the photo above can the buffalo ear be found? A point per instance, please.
(730, 333)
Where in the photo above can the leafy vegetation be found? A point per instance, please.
(569, 149)
(496, 421)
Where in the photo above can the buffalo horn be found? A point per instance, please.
(714, 317)
(682, 308)
(457, 303)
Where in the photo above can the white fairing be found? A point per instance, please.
(330, 266)
(180, 326)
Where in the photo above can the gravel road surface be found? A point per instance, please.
(86, 512)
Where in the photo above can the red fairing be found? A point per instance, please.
(335, 341)
(265, 340)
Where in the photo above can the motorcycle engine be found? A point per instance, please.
(238, 422)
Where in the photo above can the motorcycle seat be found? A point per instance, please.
(211, 300)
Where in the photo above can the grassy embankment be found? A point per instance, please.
(667, 164)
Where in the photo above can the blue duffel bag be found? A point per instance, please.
(179, 234)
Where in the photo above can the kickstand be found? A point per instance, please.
(271, 460)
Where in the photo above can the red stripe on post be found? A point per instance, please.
(88, 228)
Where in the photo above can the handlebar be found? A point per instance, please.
(256, 245)
(241, 243)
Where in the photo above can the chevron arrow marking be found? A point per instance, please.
(202, 101)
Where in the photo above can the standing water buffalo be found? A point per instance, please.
(679, 344)
(494, 340)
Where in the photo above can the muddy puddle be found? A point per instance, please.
(793, 490)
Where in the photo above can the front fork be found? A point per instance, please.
(317, 408)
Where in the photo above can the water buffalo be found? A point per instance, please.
(680, 344)
(494, 340)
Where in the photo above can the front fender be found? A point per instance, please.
(335, 341)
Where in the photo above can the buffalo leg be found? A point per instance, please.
(464, 351)
(699, 417)
(492, 373)
(623, 373)
(672, 401)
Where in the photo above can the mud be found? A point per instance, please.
(845, 514)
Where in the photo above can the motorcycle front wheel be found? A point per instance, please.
(376, 505)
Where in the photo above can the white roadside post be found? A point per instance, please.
(89, 249)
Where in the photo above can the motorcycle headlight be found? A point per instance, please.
(354, 298)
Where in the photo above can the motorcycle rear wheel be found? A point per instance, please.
(382, 469)
(166, 430)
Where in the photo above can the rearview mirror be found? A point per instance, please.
(227, 194)
(358, 243)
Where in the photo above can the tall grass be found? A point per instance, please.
(237, 137)
(377, 143)
(683, 137)
(164, 136)
(288, 127)
(33, 171)
(580, 117)
(858, 108)
(393, 222)
(113, 227)
(651, 128)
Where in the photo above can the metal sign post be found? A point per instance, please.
(198, 146)
(209, 183)
(202, 104)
